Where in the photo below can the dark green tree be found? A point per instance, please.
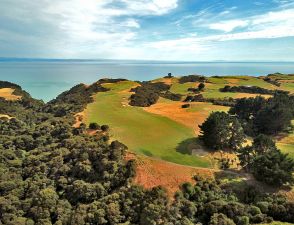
(201, 86)
(222, 131)
(273, 168)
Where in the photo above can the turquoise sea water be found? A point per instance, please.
(46, 79)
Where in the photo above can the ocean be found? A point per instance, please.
(45, 79)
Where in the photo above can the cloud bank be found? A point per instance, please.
(144, 29)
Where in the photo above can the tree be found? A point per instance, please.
(261, 145)
(201, 86)
(222, 131)
(220, 219)
(266, 116)
(104, 128)
(266, 162)
(274, 168)
(273, 119)
(169, 75)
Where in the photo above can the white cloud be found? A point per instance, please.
(153, 7)
(132, 23)
(269, 25)
(229, 25)
(110, 28)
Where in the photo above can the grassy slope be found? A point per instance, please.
(142, 132)
(159, 135)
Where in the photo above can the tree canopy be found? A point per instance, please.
(222, 131)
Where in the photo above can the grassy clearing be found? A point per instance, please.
(286, 144)
(143, 132)
(183, 88)
(7, 93)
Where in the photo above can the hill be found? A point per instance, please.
(164, 129)
(57, 170)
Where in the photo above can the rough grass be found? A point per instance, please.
(143, 132)
(151, 172)
(191, 117)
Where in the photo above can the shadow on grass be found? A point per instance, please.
(191, 146)
(227, 174)
(146, 152)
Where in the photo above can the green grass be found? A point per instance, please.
(206, 106)
(287, 148)
(182, 88)
(287, 87)
(142, 132)
(212, 90)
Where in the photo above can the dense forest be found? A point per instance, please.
(53, 173)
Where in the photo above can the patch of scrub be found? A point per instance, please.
(143, 132)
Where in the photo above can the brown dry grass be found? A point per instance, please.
(151, 172)
(174, 111)
(7, 93)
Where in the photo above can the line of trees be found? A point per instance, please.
(216, 101)
(192, 78)
(266, 116)
(251, 90)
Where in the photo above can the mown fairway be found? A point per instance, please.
(142, 132)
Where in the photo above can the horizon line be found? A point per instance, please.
(3, 59)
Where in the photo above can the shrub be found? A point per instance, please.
(192, 78)
(201, 86)
(94, 126)
(220, 219)
(104, 128)
(186, 106)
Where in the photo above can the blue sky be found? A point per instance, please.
(188, 30)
